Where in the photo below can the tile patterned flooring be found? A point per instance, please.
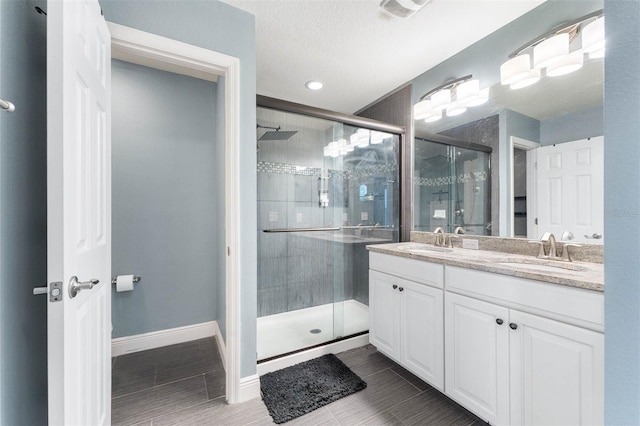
(184, 385)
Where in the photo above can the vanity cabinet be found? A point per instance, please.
(406, 316)
(513, 367)
(477, 356)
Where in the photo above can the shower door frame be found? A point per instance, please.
(350, 120)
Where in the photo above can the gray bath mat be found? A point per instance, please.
(302, 388)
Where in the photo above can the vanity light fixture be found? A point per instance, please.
(552, 52)
(314, 85)
(403, 8)
(453, 97)
(593, 38)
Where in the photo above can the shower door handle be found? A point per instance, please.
(275, 231)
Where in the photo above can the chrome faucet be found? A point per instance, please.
(548, 236)
(458, 230)
(439, 232)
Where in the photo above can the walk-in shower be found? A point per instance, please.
(324, 193)
(451, 186)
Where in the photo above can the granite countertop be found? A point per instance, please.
(586, 275)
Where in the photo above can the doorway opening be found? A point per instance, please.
(165, 54)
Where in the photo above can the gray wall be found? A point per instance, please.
(573, 126)
(217, 26)
(23, 214)
(622, 213)
(164, 199)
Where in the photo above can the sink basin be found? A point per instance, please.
(542, 265)
(424, 249)
(428, 250)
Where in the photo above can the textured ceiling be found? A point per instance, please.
(358, 51)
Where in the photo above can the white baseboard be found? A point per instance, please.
(171, 336)
(249, 388)
(222, 348)
(331, 348)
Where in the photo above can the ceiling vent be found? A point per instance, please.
(403, 8)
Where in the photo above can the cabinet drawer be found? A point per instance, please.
(415, 270)
(571, 305)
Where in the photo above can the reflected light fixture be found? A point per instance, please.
(552, 52)
(453, 97)
(361, 138)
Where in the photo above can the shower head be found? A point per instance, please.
(276, 134)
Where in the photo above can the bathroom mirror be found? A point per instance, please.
(567, 108)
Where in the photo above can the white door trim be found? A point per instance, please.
(163, 53)
(526, 145)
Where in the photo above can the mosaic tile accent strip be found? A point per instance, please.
(287, 169)
(292, 169)
(449, 180)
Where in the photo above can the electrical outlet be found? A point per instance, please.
(345, 217)
(298, 217)
(272, 217)
(470, 244)
(364, 216)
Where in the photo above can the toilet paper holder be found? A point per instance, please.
(136, 278)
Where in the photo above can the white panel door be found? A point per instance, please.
(422, 331)
(571, 189)
(78, 212)
(557, 373)
(477, 356)
(384, 324)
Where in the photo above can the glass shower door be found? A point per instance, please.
(313, 227)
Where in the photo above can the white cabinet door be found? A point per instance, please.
(78, 213)
(422, 331)
(384, 323)
(557, 373)
(477, 356)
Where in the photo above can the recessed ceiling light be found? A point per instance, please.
(314, 85)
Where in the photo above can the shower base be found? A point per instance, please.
(291, 331)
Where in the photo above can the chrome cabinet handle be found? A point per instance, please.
(513, 326)
(594, 236)
(75, 286)
(395, 286)
(499, 321)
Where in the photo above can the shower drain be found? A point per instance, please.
(315, 331)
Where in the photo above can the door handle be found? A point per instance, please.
(594, 236)
(75, 286)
